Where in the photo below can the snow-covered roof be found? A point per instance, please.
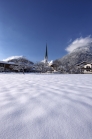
(51, 62)
(4, 62)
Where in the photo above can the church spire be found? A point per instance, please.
(46, 54)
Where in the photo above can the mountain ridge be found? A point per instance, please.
(19, 60)
(77, 56)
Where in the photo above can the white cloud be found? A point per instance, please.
(79, 42)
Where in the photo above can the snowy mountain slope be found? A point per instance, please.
(77, 56)
(19, 60)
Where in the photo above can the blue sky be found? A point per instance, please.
(26, 25)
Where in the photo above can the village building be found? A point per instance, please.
(21, 64)
(88, 68)
(14, 67)
(85, 67)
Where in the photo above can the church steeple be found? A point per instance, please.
(46, 55)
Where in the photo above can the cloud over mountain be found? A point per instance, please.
(79, 42)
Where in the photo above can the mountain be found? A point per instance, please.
(77, 56)
(19, 60)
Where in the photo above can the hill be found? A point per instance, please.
(19, 60)
(77, 56)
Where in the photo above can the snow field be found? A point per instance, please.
(45, 106)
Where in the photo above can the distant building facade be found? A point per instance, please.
(88, 68)
(12, 67)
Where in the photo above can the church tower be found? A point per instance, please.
(46, 55)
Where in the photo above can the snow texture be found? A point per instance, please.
(45, 106)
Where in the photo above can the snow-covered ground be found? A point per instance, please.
(40, 106)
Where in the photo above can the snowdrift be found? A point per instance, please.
(39, 106)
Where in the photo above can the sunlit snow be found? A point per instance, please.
(45, 106)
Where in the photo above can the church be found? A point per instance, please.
(20, 64)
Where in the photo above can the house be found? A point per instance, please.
(87, 68)
(12, 67)
(8, 66)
